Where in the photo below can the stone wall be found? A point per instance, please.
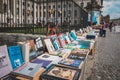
(12, 38)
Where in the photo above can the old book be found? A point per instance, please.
(80, 52)
(39, 46)
(61, 40)
(5, 65)
(15, 55)
(28, 70)
(25, 50)
(55, 44)
(49, 46)
(32, 45)
(71, 62)
(84, 44)
(73, 35)
(45, 63)
(57, 72)
(33, 53)
(54, 59)
(10, 78)
(76, 56)
(64, 53)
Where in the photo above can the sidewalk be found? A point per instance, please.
(105, 64)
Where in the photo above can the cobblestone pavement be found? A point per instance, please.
(106, 61)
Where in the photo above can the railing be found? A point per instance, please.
(33, 16)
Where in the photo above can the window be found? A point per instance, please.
(64, 13)
(64, 6)
(58, 6)
(44, 14)
(17, 20)
(32, 13)
(23, 11)
(53, 6)
(17, 11)
(49, 6)
(5, 7)
(36, 14)
(75, 22)
(28, 5)
(17, 2)
(28, 21)
(23, 3)
(44, 7)
(75, 13)
(75, 5)
(69, 5)
(49, 14)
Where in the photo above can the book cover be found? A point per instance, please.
(45, 63)
(28, 69)
(73, 35)
(55, 44)
(39, 44)
(61, 40)
(71, 62)
(49, 45)
(57, 72)
(5, 65)
(76, 56)
(54, 59)
(80, 52)
(55, 38)
(84, 44)
(32, 45)
(15, 55)
(64, 53)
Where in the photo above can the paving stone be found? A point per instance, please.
(107, 59)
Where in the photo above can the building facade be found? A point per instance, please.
(20, 12)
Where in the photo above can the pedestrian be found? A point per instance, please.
(110, 26)
(101, 30)
(104, 28)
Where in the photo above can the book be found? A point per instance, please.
(55, 44)
(57, 72)
(45, 63)
(39, 46)
(54, 59)
(5, 65)
(32, 45)
(15, 55)
(49, 45)
(10, 78)
(25, 50)
(84, 44)
(71, 62)
(73, 35)
(80, 52)
(76, 56)
(61, 40)
(64, 53)
(28, 70)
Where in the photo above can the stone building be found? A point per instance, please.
(19, 12)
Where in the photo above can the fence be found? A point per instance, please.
(33, 16)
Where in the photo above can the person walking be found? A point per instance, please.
(110, 26)
(104, 25)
